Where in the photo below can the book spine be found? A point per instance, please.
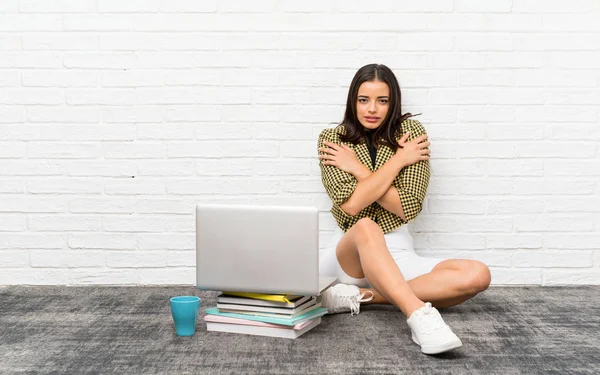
(267, 297)
(259, 302)
(263, 331)
(284, 315)
(252, 330)
(288, 322)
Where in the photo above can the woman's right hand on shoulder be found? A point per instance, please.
(414, 151)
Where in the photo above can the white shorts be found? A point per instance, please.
(400, 245)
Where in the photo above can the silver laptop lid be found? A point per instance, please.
(263, 249)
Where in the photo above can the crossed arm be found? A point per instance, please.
(390, 200)
(403, 197)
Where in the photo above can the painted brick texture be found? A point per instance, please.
(117, 116)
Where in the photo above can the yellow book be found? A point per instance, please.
(267, 297)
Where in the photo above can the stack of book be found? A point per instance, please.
(273, 315)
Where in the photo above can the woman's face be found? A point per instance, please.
(372, 103)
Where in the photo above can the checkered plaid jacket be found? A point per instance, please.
(411, 182)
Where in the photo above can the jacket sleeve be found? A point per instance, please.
(412, 181)
(338, 184)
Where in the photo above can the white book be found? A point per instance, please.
(288, 333)
(223, 298)
(266, 309)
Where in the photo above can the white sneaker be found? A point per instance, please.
(430, 332)
(343, 297)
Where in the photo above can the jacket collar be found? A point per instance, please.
(362, 153)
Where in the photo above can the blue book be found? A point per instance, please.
(284, 321)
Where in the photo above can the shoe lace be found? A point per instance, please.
(353, 301)
(432, 316)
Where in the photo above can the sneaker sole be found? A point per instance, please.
(438, 348)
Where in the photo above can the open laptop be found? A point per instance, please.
(261, 249)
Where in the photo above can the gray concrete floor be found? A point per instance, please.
(129, 330)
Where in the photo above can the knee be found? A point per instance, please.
(478, 277)
(365, 229)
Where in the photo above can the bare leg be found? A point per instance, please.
(450, 283)
(448, 302)
(362, 251)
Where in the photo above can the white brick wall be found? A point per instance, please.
(117, 116)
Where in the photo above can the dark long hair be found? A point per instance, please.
(390, 128)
